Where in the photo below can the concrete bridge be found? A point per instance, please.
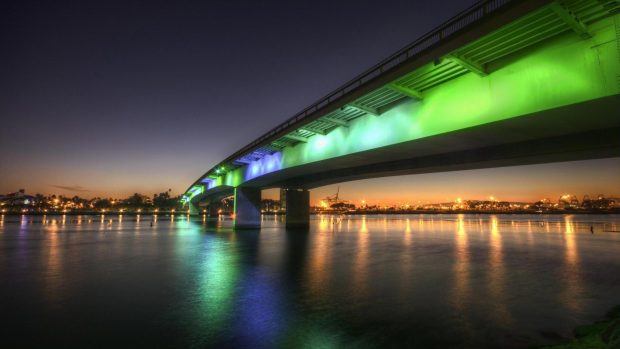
(502, 83)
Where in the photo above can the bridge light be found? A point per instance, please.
(320, 143)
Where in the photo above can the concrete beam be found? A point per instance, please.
(337, 122)
(297, 208)
(247, 208)
(576, 25)
(313, 130)
(296, 138)
(467, 64)
(364, 108)
(405, 90)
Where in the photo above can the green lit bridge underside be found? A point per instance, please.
(536, 81)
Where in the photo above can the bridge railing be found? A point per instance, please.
(457, 23)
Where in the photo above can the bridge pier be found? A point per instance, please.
(194, 210)
(212, 210)
(297, 208)
(247, 208)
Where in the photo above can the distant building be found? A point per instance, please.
(567, 201)
(282, 199)
(270, 205)
(18, 198)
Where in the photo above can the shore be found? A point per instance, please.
(604, 334)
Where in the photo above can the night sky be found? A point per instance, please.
(110, 98)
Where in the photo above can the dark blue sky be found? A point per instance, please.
(114, 97)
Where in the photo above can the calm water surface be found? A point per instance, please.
(425, 281)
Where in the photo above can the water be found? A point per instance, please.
(426, 281)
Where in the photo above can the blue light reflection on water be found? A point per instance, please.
(363, 281)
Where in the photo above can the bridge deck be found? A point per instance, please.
(474, 41)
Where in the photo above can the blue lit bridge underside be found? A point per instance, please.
(503, 83)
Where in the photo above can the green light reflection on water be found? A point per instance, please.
(216, 273)
(218, 276)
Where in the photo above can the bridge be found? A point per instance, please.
(505, 82)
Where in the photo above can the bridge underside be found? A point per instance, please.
(581, 131)
(587, 130)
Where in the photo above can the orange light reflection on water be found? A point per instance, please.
(53, 265)
(461, 291)
(572, 273)
(361, 260)
(318, 272)
(407, 261)
(497, 274)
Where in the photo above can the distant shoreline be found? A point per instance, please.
(602, 334)
(353, 213)
(615, 211)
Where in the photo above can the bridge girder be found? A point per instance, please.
(365, 109)
(296, 138)
(409, 92)
(569, 18)
(470, 65)
(336, 122)
(313, 130)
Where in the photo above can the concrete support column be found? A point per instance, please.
(247, 208)
(212, 210)
(193, 209)
(297, 208)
